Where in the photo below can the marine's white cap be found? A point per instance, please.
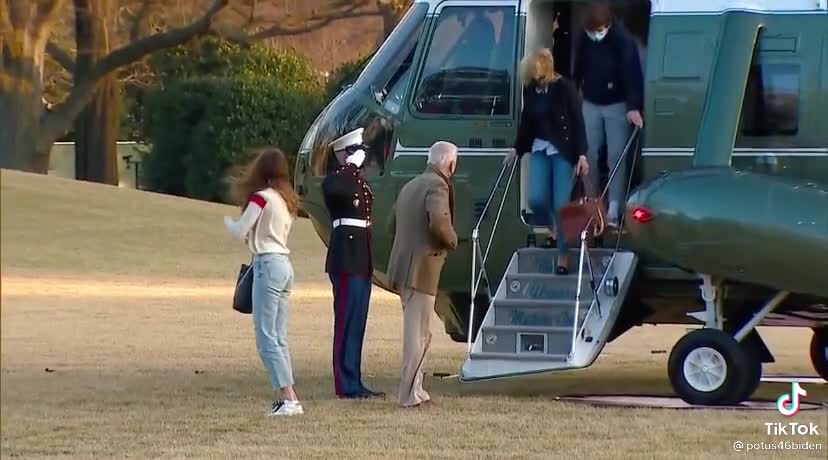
(352, 138)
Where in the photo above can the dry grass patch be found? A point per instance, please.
(124, 297)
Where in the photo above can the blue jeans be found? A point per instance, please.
(550, 188)
(272, 281)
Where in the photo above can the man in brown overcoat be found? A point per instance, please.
(422, 224)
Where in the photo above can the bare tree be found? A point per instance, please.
(96, 128)
(27, 128)
(29, 125)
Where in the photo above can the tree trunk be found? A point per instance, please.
(21, 103)
(96, 129)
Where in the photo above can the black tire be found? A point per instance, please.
(750, 380)
(819, 352)
(735, 361)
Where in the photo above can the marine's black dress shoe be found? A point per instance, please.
(364, 394)
(354, 396)
(373, 394)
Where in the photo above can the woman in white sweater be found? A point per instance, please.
(270, 205)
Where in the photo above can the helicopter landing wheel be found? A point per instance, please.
(819, 352)
(709, 367)
(752, 346)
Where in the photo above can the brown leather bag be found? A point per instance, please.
(576, 214)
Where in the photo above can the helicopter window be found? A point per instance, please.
(469, 65)
(771, 105)
(396, 54)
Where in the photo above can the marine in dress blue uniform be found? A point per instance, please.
(348, 263)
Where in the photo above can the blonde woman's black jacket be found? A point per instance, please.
(555, 116)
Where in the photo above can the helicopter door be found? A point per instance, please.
(463, 91)
(465, 84)
(782, 125)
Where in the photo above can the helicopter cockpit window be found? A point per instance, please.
(394, 58)
(469, 65)
(771, 105)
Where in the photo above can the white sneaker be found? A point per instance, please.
(286, 408)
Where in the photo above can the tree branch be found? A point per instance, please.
(312, 23)
(61, 56)
(45, 13)
(5, 19)
(58, 121)
(138, 20)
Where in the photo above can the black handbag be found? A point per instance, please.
(243, 297)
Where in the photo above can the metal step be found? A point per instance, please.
(544, 261)
(533, 312)
(544, 286)
(520, 357)
(526, 339)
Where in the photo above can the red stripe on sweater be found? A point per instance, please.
(258, 200)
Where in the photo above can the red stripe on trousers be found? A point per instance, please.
(339, 305)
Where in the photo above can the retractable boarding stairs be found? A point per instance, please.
(537, 320)
(531, 325)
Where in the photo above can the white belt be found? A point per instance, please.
(351, 223)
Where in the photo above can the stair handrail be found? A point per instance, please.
(476, 249)
(584, 250)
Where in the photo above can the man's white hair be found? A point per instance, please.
(441, 153)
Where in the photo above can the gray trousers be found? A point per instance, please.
(608, 123)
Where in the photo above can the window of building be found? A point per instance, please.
(469, 65)
(771, 105)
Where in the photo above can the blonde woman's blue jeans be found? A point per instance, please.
(272, 282)
(550, 188)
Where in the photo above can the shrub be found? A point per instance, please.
(202, 126)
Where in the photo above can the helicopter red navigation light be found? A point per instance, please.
(642, 215)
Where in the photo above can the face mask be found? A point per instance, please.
(356, 158)
(599, 35)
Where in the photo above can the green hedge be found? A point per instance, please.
(200, 127)
(217, 100)
(211, 56)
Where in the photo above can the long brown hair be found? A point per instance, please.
(269, 168)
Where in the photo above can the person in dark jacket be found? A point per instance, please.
(551, 127)
(348, 264)
(608, 72)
